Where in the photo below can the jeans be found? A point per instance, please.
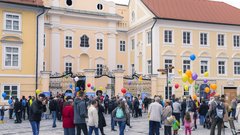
(35, 127)
(54, 117)
(1, 118)
(69, 131)
(82, 127)
(18, 117)
(233, 113)
(112, 123)
(182, 117)
(218, 123)
(167, 130)
(154, 128)
(10, 113)
(122, 125)
(202, 119)
(23, 113)
(91, 128)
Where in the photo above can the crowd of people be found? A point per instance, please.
(86, 114)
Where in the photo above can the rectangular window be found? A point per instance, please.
(149, 37)
(68, 41)
(11, 91)
(133, 68)
(168, 36)
(203, 39)
(122, 46)
(186, 92)
(236, 42)
(44, 66)
(11, 57)
(99, 69)
(221, 40)
(168, 63)
(119, 66)
(99, 44)
(44, 40)
(221, 67)
(68, 67)
(204, 66)
(168, 92)
(237, 67)
(12, 21)
(186, 65)
(133, 44)
(186, 38)
(149, 65)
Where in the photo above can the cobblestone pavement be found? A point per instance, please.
(140, 127)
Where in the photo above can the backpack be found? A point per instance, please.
(192, 106)
(52, 105)
(219, 111)
(24, 103)
(119, 113)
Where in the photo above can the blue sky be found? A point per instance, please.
(235, 3)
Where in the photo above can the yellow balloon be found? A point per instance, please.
(206, 74)
(184, 78)
(185, 87)
(190, 80)
(180, 72)
(38, 91)
(100, 88)
(189, 73)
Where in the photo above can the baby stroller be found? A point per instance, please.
(207, 122)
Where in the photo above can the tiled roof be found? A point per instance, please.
(194, 10)
(25, 2)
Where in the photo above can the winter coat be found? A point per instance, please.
(203, 109)
(80, 111)
(36, 110)
(68, 117)
(17, 107)
(101, 118)
(167, 112)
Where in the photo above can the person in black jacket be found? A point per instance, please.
(183, 109)
(203, 110)
(111, 107)
(18, 109)
(136, 107)
(54, 108)
(35, 113)
(101, 118)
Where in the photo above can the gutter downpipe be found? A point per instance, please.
(36, 79)
(152, 44)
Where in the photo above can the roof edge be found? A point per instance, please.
(149, 9)
(22, 4)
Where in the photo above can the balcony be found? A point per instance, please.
(122, 26)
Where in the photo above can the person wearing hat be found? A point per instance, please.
(35, 113)
(216, 111)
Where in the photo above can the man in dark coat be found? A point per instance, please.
(18, 109)
(35, 113)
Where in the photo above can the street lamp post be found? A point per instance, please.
(166, 71)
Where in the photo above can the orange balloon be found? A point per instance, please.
(189, 73)
(213, 86)
(190, 80)
(207, 90)
(194, 96)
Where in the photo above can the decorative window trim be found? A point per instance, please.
(11, 84)
(225, 40)
(68, 35)
(234, 67)
(224, 65)
(84, 45)
(191, 35)
(19, 57)
(234, 47)
(168, 43)
(20, 22)
(65, 65)
(123, 51)
(208, 65)
(99, 36)
(120, 65)
(208, 39)
(169, 58)
(191, 63)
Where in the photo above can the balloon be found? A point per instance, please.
(70, 86)
(184, 78)
(206, 74)
(76, 79)
(196, 87)
(194, 97)
(205, 80)
(180, 72)
(129, 82)
(169, 82)
(190, 80)
(77, 89)
(92, 87)
(10, 101)
(123, 90)
(38, 91)
(88, 85)
(192, 57)
(101, 88)
(185, 87)
(189, 73)
(207, 90)
(4, 94)
(194, 76)
(213, 86)
(176, 85)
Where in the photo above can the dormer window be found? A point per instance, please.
(99, 6)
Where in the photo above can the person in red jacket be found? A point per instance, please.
(68, 117)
